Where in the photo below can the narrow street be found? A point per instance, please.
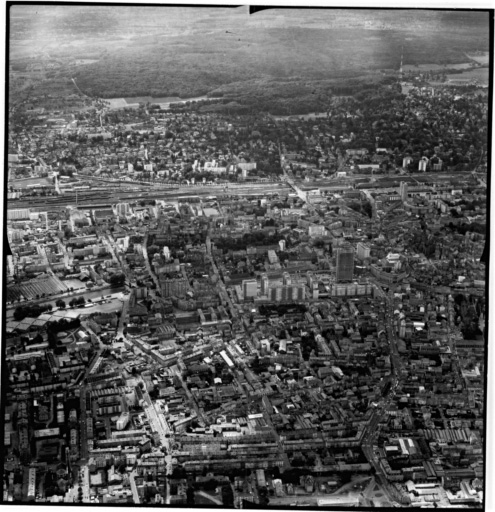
(191, 399)
(135, 494)
(223, 290)
(210, 497)
(83, 424)
(156, 419)
(123, 315)
(371, 430)
(109, 245)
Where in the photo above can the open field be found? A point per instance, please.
(481, 75)
(117, 102)
(435, 67)
(480, 57)
(25, 183)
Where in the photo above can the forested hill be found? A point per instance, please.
(186, 51)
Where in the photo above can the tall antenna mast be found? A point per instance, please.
(401, 73)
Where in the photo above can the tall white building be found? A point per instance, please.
(423, 163)
(265, 285)
(272, 257)
(286, 279)
(249, 288)
(363, 251)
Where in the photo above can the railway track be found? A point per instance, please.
(101, 199)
